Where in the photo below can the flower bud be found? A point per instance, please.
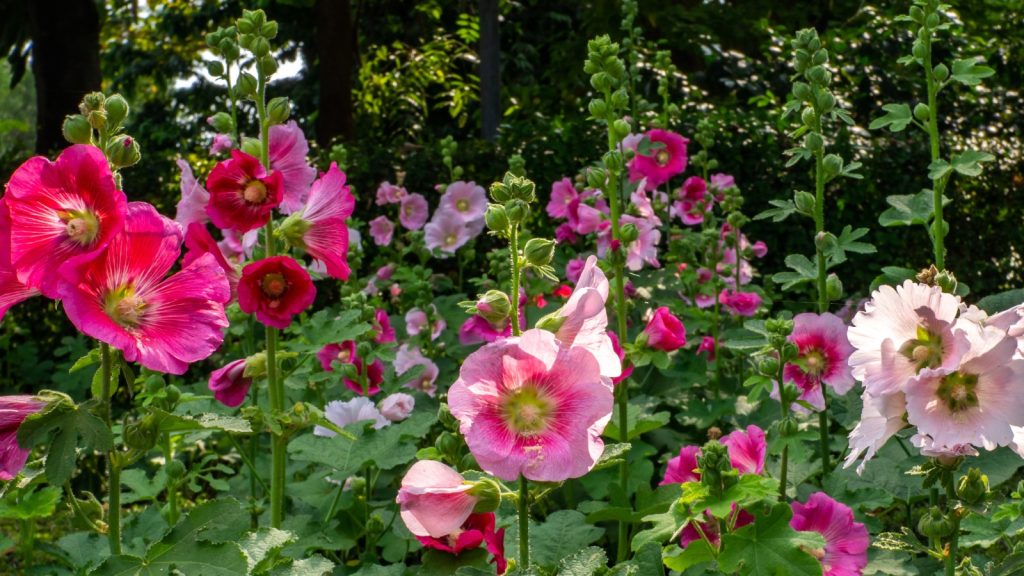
(973, 487)
(551, 322)
(919, 51)
(922, 112)
(934, 524)
(788, 426)
(446, 443)
(779, 326)
(598, 108)
(141, 434)
(251, 146)
(517, 211)
(494, 306)
(496, 219)
(173, 394)
(76, 129)
(825, 241)
(117, 110)
(539, 251)
(804, 202)
(833, 287)
(123, 151)
(221, 122)
(826, 102)
(246, 86)
(769, 366)
(818, 75)
(375, 524)
(932, 20)
(175, 469)
(488, 494)
(97, 119)
(91, 102)
(833, 165)
(255, 365)
(947, 281)
(810, 119)
(916, 14)
(269, 30)
(629, 233)
(278, 110)
(802, 91)
(819, 57)
(215, 68)
(500, 193)
(941, 72)
(444, 416)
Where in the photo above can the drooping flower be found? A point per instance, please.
(123, 299)
(194, 198)
(13, 411)
(12, 291)
(846, 541)
(229, 384)
(383, 332)
(382, 229)
(527, 405)
(275, 289)
(62, 213)
(824, 352)
(242, 193)
(664, 163)
(325, 234)
(397, 406)
(434, 500)
(388, 193)
(342, 414)
(477, 529)
(664, 331)
(465, 199)
(413, 211)
(446, 232)
(740, 303)
(198, 241)
(288, 149)
(345, 353)
(562, 194)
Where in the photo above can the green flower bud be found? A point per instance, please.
(769, 366)
(444, 416)
(446, 443)
(916, 14)
(91, 102)
(629, 233)
(76, 129)
(488, 494)
(596, 177)
(500, 192)
(973, 487)
(804, 202)
(255, 365)
(175, 469)
(922, 112)
(221, 122)
(833, 287)
(215, 68)
(496, 219)
(947, 281)
(934, 524)
(551, 322)
(802, 91)
(826, 102)
(245, 25)
(919, 51)
(539, 251)
(117, 110)
(788, 426)
(293, 230)
(97, 119)
(269, 30)
(779, 326)
(517, 211)
(941, 72)
(123, 151)
(810, 119)
(818, 75)
(278, 110)
(375, 524)
(619, 129)
(141, 434)
(833, 165)
(932, 20)
(251, 146)
(819, 57)
(268, 65)
(246, 86)
(598, 108)
(825, 241)
(173, 394)
(494, 306)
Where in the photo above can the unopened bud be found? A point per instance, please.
(117, 110)
(629, 233)
(278, 110)
(769, 367)
(175, 469)
(833, 165)
(494, 306)
(255, 365)
(922, 112)
(804, 202)
(947, 281)
(246, 86)
(973, 487)
(496, 219)
(517, 211)
(123, 151)
(941, 72)
(488, 495)
(539, 251)
(833, 287)
(77, 129)
(91, 102)
(934, 524)
(222, 123)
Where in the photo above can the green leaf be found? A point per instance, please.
(639, 421)
(140, 486)
(262, 546)
(211, 421)
(696, 552)
(996, 303)
(969, 71)
(910, 209)
(803, 271)
(561, 535)
(35, 504)
(325, 327)
(665, 525)
(897, 118)
(969, 162)
(315, 565)
(613, 454)
(782, 210)
(71, 427)
(585, 562)
(938, 169)
(769, 547)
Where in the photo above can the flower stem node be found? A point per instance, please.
(973, 487)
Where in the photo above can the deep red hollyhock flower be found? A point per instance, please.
(477, 529)
(275, 289)
(242, 193)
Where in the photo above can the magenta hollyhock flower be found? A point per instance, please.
(477, 529)
(664, 331)
(13, 411)
(194, 198)
(627, 367)
(527, 405)
(388, 193)
(220, 143)
(326, 236)
(692, 202)
(275, 289)
(342, 414)
(881, 418)
(413, 211)
(707, 346)
(382, 229)
(564, 234)
(824, 352)
(583, 320)
(740, 303)
(562, 194)
(682, 468)
(123, 299)
(434, 500)
(574, 268)
(62, 213)
(345, 353)
(759, 248)
(747, 449)
(477, 329)
(198, 241)
(229, 384)
(446, 232)
(465, 199)
(12, 291)
(288, 150)
(665, 162)
(846, 541)
(382, 330)
(242, 193)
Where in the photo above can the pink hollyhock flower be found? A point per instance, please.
(527, 405)
(823, 355)
(881, 418)
(326, 235)
(13, 411)
(275, 289)
(721, 182)
(388, 193)
(704, 275)
(573, 269)
(704, 301)
(746, 449)
(583, 218)
(759, 248)
(664, 331)
(61, 213)
(682, 468)
(446, 232)
(902, 332)
(288, 149)
(194, 198)
(707, 346)
(583, 321)
(465, 199)
(929, 448)
(846, 541)
(627, 367)
(434, 500)
(345, 353)
(406, 358)
(644, 250)
(12, 291)
(382, 229)
(239, 247)
(740, 303)
(383, 332)
(123, 299)
(477, 529)
(198, 241)
(229, 384)
(342, 414)
(562, 194)
(220, 143)
(564, 234)
(413, 211)
(416, 320)
(242, 193)
(665, 162)
(397, 406)
(477, 329)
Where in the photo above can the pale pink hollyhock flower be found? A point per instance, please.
(722, 182)
(645, 249)
(583, 321)
(664, 331)
(446, 232)
(881, 418)
(527, 405)
(408, 357)
(342, 414)
(929, 448)
(221, 143)
(62, 213)
(846, 541)
(275, 289)
(641, 203)
(242, 193)
(434, 499)
(465, 199)
(13, 411)
(198, 241)
(477, 529)
(562, 194)
(382, 229)
(573, 269)
(122, 297)
(388, 193)
(823, 355)
(12, 291)
(382, 330)
(413, 211)
(740, 303)
(194, 198)
(385, 272)
(416, 320)
(704, 300)
(345, 353)
(664, 163)
(707, 346)
(288, 150)
(229, 384)
(729, 276)
(903, 331)
(325, 234)
(397, 406)
(239, 247)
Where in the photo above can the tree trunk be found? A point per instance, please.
(65, 63)
(335, 42)
(490, 69)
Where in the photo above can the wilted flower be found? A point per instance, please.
(229, 384)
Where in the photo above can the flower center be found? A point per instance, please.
(925, 351)
(662, 157)
(344, 355)
(449, 240)
(958, 391)
(527, 411)
(462, 205)
(814, 362)
(81, 227)
(255, 192)
(125, 307)
(274, 286)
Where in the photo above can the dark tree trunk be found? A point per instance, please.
(335, 43)
(65, 63)
(490, 69)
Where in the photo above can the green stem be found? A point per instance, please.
(954, 538)
(524, 523)
(784, 407)
(113, 465)
(514, 260)
(172, 486)
(938, 232)
(819, 228)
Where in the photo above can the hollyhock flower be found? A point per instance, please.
(242, 193)
(562, 194)
(704, 275)
(746, 449)
(62, 213)
(413, 211)
(198, 241)
(477, 529)
(388, 193)
(382, 229)
(740, 303)
(722, 182)
(324, 233)
(823, 354)
(664, 163)
(929, 448)
(229, 384)
(573, 269)
(406, 358)
(445, 232)
(239, 247)
(584, 218)
(564, 234)
(707, 346)
(345, 353)
(342, 414)
(682, 468)
(692, 204)
(881, 418)
(220, 143)
(13, 411)
(385, 272)
(903, 331)
(383, 332)
(416, 320)
(397, 406)
(627, 368)
(194, 198)
(563, 291)
(465, 199)
(275, 289)
(846, 541)
(123, 299)
(477, 329)
(434, 500)
(664, 331)
(644, 250)
(759, 248)
(527, 405)
(12, 291)
(288, 149)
